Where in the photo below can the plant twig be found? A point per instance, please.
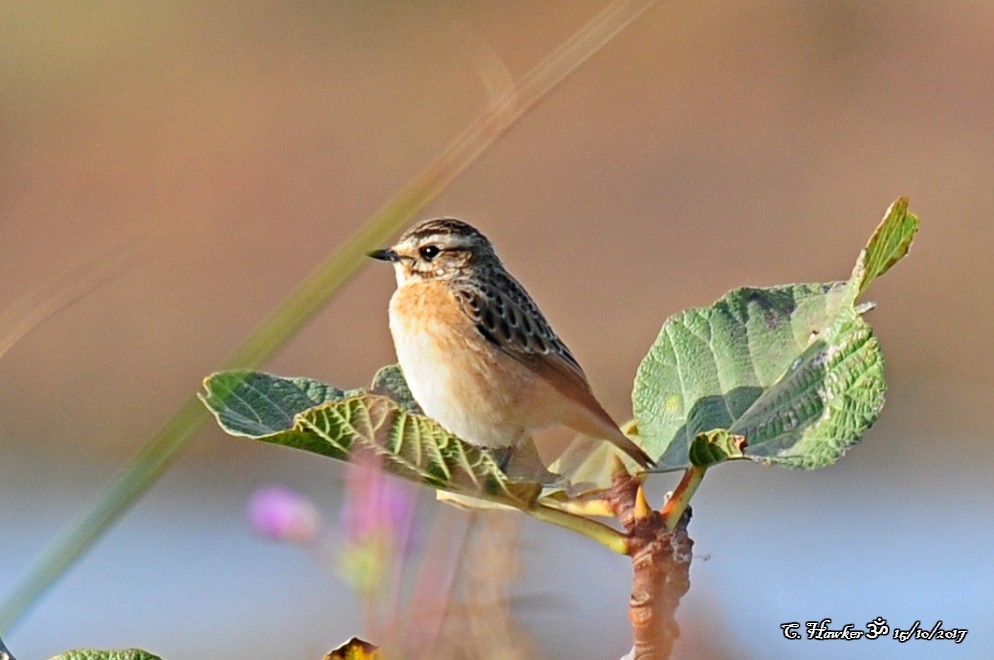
(609, 537)
(680, 499)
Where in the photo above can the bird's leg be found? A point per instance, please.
(505, 460)
(512, 450)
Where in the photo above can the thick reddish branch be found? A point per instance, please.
(660, 569)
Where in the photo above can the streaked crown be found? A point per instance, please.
(441, 248)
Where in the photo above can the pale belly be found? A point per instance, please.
(462, 381)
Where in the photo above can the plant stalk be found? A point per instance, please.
(609, 537)
(660, 577)
(660, 568)
(679, 501)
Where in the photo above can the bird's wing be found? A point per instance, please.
(505, 314)
(507, 317)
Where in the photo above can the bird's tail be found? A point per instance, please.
(624, 443)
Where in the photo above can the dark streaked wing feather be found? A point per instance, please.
(506, 315)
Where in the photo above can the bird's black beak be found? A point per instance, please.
(384, 255)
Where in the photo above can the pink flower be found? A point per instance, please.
(281, 513)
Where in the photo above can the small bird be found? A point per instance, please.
(478, 355)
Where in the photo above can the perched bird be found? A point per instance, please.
(478, 355)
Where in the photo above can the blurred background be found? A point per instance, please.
(710, 145)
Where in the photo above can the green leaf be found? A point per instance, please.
(830, 394)
(91, 654)
(794, 369)
(253, 403)
(888, 245)
(713, 447)
(752, 364)
(389, 381)
(305, 414)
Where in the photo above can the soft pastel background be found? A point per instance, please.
(711, 145)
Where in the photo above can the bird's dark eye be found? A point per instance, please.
(429, 252)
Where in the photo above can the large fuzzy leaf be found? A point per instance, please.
(380, 423)
(93, 654)
(793, 369)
